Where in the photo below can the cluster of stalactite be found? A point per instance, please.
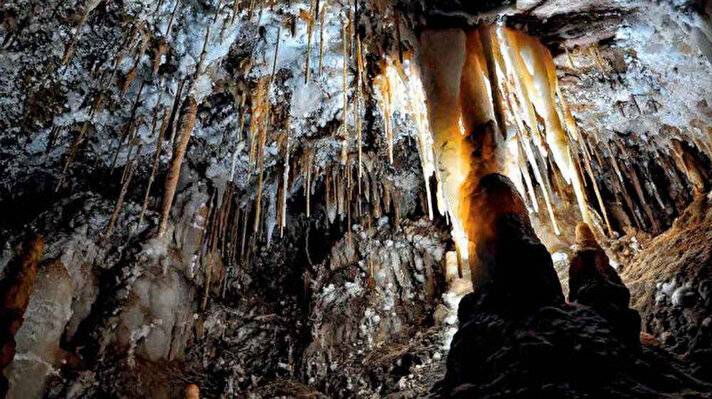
(644, 191)
(488, 101)
(495, 106)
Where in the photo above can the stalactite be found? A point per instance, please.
(587, 160)
(514, 65)
(128, 79)
(357, 111)
(172, 18)
(131, 168)
(385, 86)
(238, 136)
(472, 83)
(322, 18)
(233, 253)
(160, 51)
(74, 148)
(154, 166)
(308, 17)
(262, 137)
(72, 43)
(688, 164)
(539, 76)
(175, 111)
(132, 142)
(129, 130)
(189, 113)
(285, 189)
(244, 232)
(614, 162)
(417, 108)
(207, 250)
(345, 59)
(632, 176)
(524, 170)
(307, 173)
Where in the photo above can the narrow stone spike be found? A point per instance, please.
(310, 28)
(172, 18)
(587, 164)
(120, 201)
(357, 110)
(74, 148)
(154, 167)
(345, 56)
(186, 129)
(263, 137)
(322, 18)
(285, 189)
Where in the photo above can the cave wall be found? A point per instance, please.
(87, 86)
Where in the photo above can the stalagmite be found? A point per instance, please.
(192, 391)
(469, 84)
(189, 113)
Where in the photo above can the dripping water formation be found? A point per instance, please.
(355, 199)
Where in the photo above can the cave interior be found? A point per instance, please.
(356, 198)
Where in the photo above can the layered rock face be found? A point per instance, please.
(671, 286)
(518, 338)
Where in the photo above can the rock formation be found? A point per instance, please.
(593, 282)
(532, 344)
(271, 198)
(671, 286)
(15, 291)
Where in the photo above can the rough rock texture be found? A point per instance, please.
(594, 282)
(16, 289)
(509, 346)
(671, 283)
(372, 314)
(338, 286)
